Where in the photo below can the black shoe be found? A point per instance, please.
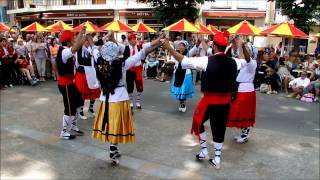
(200, 158)
(214, 163)
(78, 133)
(91, 111)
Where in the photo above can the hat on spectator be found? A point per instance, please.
(221, 39)
(185, 43)
(66, 36)
(132, 36)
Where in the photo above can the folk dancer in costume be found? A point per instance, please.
(243, 108)
(85, 78)
(71, 97)
(182, 87)
(217, 84)
(134, 74)
(113, 120)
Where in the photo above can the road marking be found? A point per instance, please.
(150, 168)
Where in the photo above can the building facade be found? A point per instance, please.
(4, 16)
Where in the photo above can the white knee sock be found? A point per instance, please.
(66, 123)
(203, 145)
(217, 151)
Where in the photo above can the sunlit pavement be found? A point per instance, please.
(284, 144)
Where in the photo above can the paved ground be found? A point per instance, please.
(284, 144)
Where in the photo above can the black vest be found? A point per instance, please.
(220, 75)
(84, 61)
(126, 53)
(64, 68)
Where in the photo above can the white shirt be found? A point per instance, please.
(300, 82)
(135, 48)
(246, 74)
(176, 64)
(66, 54)
(202, 52)
(121, 93)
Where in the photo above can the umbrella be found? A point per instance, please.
(140, 27)
(89, 27)
(117, 26)
(317, 35)
(284, 29)
(34, 27)
(105, 26)
(213, 29)
(59, 26)
(244, 28)
(3, 27)
(182, 26)
(203, 28)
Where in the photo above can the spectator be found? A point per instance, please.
(176, 43)
(124, 40)
(54, 47)
(40, 54)
(298, 85)
(7, 56)
(272, 80)
(260, 72)
(152, 65)
(284, 73)
(309, 66)
(25, 68)
(314, 86)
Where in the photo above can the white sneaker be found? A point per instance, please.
(269, 92)
(242, 139)
(138, 105)
(274, 92)
(214, 163)
(183, 109)
(66, 135)
(83, 117)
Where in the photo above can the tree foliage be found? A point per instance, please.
(170, 11)
(304, 12)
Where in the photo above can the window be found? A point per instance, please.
(150, 21)
(132, 21)
(225, 4)
(20, 4)
(69, 2)
(245, 4)
(98, 1)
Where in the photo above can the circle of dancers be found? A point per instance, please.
(110, 72)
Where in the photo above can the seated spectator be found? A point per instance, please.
(25, 67)
(284, 73)
(298, 85)
(151, 65)
(314, 86)
(272, 80)
(309, 66)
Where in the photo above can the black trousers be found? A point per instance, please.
(71, 99)
(131, 80)
(218, 115)
(8, 74)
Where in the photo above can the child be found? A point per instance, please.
(272, 81)
(152, 65)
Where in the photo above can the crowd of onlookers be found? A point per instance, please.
(31, 60)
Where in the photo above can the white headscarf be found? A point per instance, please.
(109, 51)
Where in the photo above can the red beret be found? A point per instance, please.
(132, 36)
(221, 39)
(66, 36)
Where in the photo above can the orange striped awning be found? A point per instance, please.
(59, 26)
(203, 28)
(244, 28)
(182, 26)
(141, 28)
(4, 27)
(104, 26)
(214, 30)
(34, 27)
(117, 26)
(284, 29)
(89, 27)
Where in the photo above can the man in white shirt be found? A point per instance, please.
(298, 85)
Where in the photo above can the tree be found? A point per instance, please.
(170, 11)
(304, 12)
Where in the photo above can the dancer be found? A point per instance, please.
(114, 121)
(84, 65)
(134, 74)
(71, 97)
(217, 84)
(182, 87)
(243, 108)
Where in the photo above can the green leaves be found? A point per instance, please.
(304, 12)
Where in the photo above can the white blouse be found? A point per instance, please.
(246, 74)
(121, 93)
